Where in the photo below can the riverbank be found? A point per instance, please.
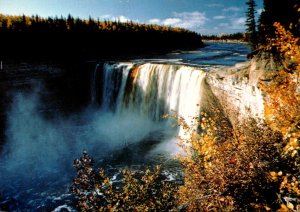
(224, 41)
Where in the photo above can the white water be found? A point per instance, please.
(153, 90)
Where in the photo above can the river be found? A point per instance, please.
(127, 100)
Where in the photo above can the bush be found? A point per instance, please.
(228, 173)
(282, 112)
(139, 191)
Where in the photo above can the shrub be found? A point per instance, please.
(145, 191)
(228, 173)
(282, 112)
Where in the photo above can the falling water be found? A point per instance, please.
(93, 86)
(153, 90)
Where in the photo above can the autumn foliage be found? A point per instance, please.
(282, 112)
(228, 173)
(138, 191)
(257, 168)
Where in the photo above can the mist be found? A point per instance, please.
(39, 149)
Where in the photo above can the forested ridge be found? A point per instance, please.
(59, 37)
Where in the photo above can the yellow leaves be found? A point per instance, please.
(286, 207)
(282, 103)
(273, 175)
(290, 186)
(290, 206)
(292, 147)
(268, 208)
(294, 153)
(283, 208)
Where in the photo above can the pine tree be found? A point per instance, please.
(287, 14)
(251, 24)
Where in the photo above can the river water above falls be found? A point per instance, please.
(128, 100)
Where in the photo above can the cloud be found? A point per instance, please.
(154, 21)
(259, 11)
(219, 17)
(188, 20)
(224, 24)
(172, 21)
(214, 5)
(106, 16)
(124, 1)
(238, 23)
(232, 9)
(120, 18)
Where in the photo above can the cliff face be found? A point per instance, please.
(237, 88)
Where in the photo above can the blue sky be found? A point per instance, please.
(202, 16)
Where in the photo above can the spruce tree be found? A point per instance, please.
(251, 24)
(276, 11)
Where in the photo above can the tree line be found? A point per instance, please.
(235, 36)
(59, 37)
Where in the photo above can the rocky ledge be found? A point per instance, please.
(237, 88)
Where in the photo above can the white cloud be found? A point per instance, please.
(171, 21)
(259, 11)
(120, 18)
(106, 17)
(219, 17)
(188, 20)
(214, 5)
(154, 21)
(232, 9)
(238, 23)
(123, 1)
(224, 24)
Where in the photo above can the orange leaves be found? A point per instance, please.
(282, 112)
(218, 171)
(140, 191)
(292, 147)
(282, 106)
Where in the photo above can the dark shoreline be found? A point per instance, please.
(224, 41)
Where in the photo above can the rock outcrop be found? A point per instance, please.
(237, 88)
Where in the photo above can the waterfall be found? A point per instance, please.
(152, 90)
(93, 86)
(115, 78)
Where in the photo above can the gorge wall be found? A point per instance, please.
(237, 88)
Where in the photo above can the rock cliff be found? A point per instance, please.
(237, 88)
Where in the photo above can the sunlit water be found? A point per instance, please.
(36, 165)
